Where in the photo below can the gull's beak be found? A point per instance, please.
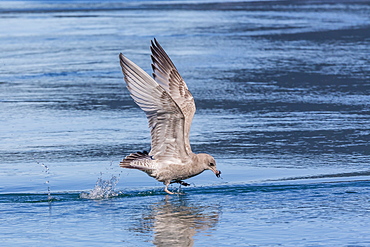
(215, 171)
(218, 173)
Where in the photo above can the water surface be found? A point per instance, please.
(282, 90)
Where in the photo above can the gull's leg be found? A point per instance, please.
(166, 189)
(180, 182)
(183, 183)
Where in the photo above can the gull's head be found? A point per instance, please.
(209, 163)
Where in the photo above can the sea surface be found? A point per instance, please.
(282, 90)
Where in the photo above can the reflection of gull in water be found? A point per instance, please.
(169, 107)
(175, 222)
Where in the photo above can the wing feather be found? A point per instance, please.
(166, 75)
(165, 118)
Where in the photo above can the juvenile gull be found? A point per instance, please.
(169, 107)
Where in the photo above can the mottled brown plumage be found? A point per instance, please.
(169, 107)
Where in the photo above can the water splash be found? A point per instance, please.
(47, 182)
(103, 189)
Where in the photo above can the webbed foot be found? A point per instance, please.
(169, 192)
(183, 183)
(175, 193)
(180, 182)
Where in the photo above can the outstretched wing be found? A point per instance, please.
(165, 118)
(166, 75)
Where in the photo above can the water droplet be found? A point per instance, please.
(103, 189)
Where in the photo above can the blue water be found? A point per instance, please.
(282, 90)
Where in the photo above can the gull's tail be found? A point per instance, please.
(140, 160)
